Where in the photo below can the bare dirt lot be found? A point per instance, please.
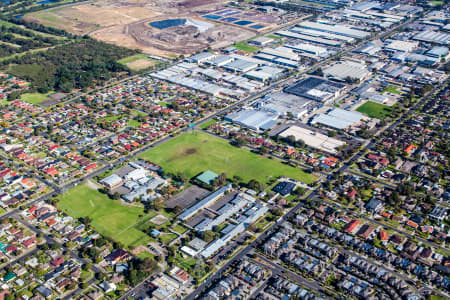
(127, 23)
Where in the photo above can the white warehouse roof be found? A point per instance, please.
(335, 28)
(338, 118)
(345, 69)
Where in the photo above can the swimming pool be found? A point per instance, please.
(256, 26)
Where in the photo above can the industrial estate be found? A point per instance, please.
(214, 149)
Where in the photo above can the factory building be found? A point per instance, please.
(282, 52)
(433, 37)
(313, 139)
(261, 41)
(310, 49)
(308, 38)
(283, 103)
(253, 119)
(265, 73)
(338, 118)
(240, 66)
(323, 34)
(400, 46)
(337, 29)
(317, 89)
(347, 69)
(369, 49)
(220, 61)
(200, 58)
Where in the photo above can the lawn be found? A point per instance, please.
(375, 110)
(207, 124)
(136, 112)
(188, 264)
(109, 217)
(179, 228)
(392, 89)
(166, 238)
(145, 254)
(436, 3)
(275, 37)
(133, 123)
(110, 118)
(193, 153)
(35, 98)
(245, 47)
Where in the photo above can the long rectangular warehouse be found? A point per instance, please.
(336, 29)
(308, 38)
(323, 34)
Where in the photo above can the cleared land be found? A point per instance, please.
(109, 217)
(193, 153)
(127, 24)
(137, 62)
(375, 110)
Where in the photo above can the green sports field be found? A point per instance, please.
(109, 217)
(34, 98)
(193, 153)
(375, 110)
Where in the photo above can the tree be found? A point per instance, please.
(158, 204)
(263, 150)
(291, 140)
(240, 142)
(254, 185)
(208, 235)
(177, 210)
(148, 265)
(222, 178)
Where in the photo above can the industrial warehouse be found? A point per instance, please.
(317, 89)
(313, 139)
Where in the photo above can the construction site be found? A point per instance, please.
(149, 25)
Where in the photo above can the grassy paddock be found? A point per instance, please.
(193, 153)
(375, 110)
(109, 217)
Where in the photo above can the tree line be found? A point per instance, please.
(79, 64)
(26, 41)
